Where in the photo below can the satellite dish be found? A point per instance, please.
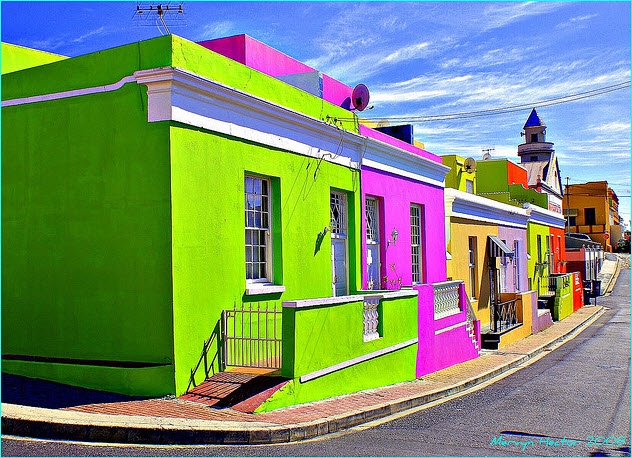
(360, 97)
(487, 156)
(470, 164)
(383, 123)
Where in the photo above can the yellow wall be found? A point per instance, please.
(458, 266)
(524, 310)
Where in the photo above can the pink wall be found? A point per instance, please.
(256, 55)
(438, 351)
(395, 194)
(263, 58)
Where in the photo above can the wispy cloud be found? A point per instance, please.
(216, 29)
(91, 33)
(576, 22)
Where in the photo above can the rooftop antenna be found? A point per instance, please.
(487, 153)
(150, 14)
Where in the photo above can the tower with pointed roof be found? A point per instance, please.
(538, 157)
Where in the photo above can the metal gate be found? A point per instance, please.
(252, 336)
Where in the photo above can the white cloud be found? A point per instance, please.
(98, 31)
(215, 30)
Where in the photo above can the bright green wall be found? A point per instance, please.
(492, 176)
(533, 230)
(86, 264)
(16, 58)
(90, 70)
(563, 304)
(207, 191)
(521, 195)
(329, 335)
(92, 267)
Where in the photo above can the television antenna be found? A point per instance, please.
(152, 14)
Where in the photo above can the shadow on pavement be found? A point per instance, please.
(51, 395)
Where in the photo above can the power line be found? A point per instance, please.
(509, 109)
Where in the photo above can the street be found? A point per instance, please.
(574, 401)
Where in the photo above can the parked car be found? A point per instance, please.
(577, 235)
(622, 246)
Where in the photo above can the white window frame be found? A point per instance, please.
(258, 225)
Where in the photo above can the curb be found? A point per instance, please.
(613, 278)
(41, 423)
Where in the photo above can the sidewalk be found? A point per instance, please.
(175, 421)
(608, 274)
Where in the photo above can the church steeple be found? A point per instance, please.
(534, 129)
(535, 148)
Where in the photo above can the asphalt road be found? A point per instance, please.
(575, 401)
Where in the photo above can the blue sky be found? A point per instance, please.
(418, 59)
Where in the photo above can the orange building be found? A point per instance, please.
(592, 209)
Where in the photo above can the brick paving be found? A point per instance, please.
(397, 397)
(437, 382)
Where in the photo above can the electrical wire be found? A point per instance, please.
(508, 109)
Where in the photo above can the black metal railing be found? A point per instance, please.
(504, 316)
(209, 366)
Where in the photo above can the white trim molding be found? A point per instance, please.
(354, 361)
(387, 158)
(545, 217)
(449, 328)
(175, 94)
(461, 204)
(67, 94)
(336, 300)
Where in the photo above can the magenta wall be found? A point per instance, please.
(395, 194)
(438, 351)
(263, 58)
(256, 55)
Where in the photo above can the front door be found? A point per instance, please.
(338, 207)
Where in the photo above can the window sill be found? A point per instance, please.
(256, 289)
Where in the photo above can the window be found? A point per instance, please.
(533, 158)
(534, 138)
(258, 249)
(589, 216)
(572, 221)
(469, 186)
(338, 225)
(472, 266)
(549, 252)
(416, 245)
(516, 264)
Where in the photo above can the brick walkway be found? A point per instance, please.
(437, 383)
(84, 415)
